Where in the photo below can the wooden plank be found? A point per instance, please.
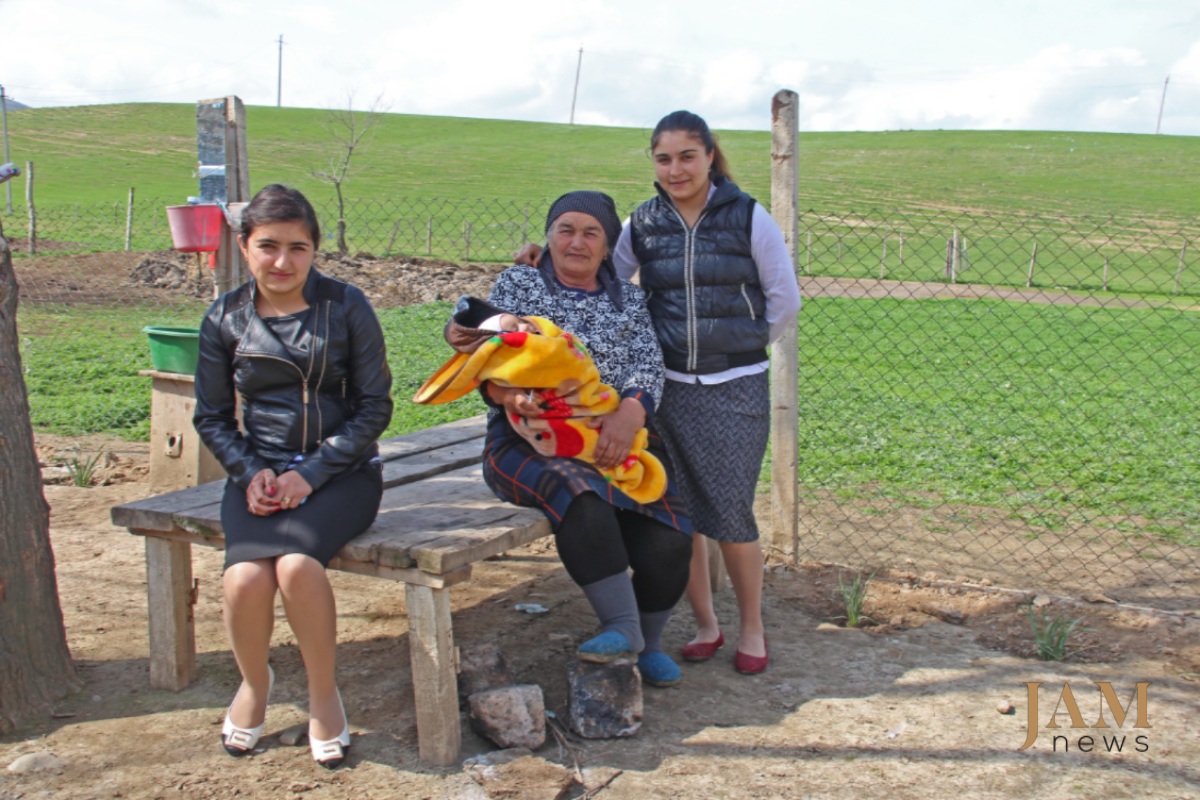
(412, 467)
(468, 546)
(432, 438)
(435, 685)
(402, 575)
(169, 600)
(157, 513)
(784, 527)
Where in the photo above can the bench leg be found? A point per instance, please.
(170, 602)
(435, 679)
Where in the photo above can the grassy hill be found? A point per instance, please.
(93, 154)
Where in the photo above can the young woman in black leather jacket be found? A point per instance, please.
(305, 354)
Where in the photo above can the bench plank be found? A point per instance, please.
(433, 438)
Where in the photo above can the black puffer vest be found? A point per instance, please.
(701, 283)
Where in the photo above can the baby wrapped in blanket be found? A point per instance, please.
(534, 354)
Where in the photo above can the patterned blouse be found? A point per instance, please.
(622, 343)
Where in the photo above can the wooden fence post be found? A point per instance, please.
(129, 221)
(29, 206)
(808, 254)
(224, 178)
(429, 237)
(1106, 273)
(1032, 261)
(466, 240)
(901, 254)
(883, 260)
(785, 355)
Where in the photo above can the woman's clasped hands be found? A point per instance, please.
(269, 493)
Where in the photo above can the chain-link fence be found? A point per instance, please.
(480, 230)
(1013, 400)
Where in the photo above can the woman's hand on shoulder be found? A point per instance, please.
(617, 432)
(530, 255)
(262, 495)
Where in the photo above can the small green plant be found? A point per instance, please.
(1051, 634)
(82, 469)
(853, 595)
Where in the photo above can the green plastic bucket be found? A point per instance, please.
(173, 349)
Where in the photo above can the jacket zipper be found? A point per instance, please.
(321, 377)
(303, 390)
(749, 305)
(689, 280)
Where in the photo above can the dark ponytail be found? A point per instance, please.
(694, 125)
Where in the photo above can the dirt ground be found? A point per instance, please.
(909, 706)
(904, 708)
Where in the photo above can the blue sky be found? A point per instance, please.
(857, 65)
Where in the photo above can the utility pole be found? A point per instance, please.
(279, 81)
(575, 94)
(7, 158)
(1161, 103)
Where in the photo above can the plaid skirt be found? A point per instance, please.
(717, 436)
(516, 473)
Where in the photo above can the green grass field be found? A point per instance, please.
(91, 155)
(1063, 415)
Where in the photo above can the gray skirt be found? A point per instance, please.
(716, 436)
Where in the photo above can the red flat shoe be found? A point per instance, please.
(703, 651)
(751, 665)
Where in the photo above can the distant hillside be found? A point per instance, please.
(93, 154)
(13, 105)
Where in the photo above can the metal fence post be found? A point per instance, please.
(129, 221)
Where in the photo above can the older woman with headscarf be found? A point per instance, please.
(600, 532)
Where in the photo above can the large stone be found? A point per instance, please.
(482, 667)
(517, 773)
(37, 762)
(605, 699)
(510, 716)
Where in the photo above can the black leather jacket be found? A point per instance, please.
(333, 411)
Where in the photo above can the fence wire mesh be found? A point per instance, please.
(1008, 399)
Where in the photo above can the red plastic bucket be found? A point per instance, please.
(196, 229)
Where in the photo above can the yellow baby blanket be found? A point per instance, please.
(565, 383)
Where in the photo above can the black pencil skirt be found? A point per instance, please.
(331, 517)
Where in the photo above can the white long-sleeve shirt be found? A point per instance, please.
(776, 275)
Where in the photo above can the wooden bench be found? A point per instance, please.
(436, 520)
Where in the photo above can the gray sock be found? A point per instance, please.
(653, 625)
(615, 605)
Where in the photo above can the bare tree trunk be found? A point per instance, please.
(341, 225)
(35, 664)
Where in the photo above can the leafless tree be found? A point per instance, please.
(35, 664)
(352, 132)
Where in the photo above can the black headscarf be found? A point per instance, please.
(602, 207)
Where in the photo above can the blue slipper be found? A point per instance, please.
(659, 670)
(608, 646)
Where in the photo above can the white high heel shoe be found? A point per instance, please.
(330, 753)
(241, 741)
